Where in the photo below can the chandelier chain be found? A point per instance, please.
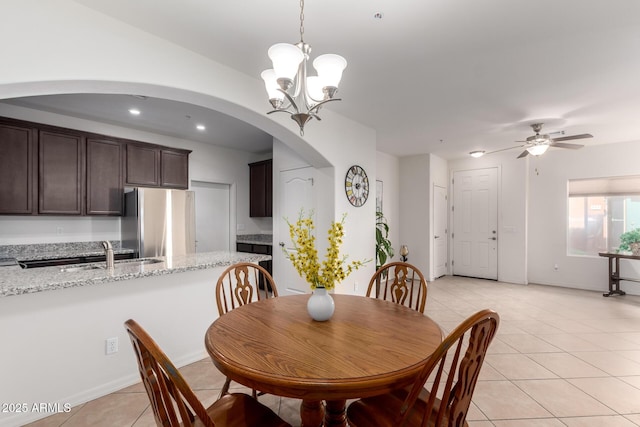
(302, 21)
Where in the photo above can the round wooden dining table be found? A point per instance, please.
(368, 347)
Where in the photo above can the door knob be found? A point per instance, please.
(493, 238)
(281, 244)
(436, 237)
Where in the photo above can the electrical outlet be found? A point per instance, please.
(59, 230)
(111, 345)
(355, 286)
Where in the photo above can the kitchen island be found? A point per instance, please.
(17, 281)
(54, 325)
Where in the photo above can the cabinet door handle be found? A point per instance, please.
(493, 238)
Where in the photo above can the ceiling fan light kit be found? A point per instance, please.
(289, 88)
(537, 144)
(538, 149)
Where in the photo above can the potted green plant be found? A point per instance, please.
(630, 241)
(384, 250)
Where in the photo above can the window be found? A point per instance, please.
(600, 210)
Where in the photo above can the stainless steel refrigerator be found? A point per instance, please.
(159, 222)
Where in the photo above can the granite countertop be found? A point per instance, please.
(17, 281)
(255, 239)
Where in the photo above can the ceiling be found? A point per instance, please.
(177, 119)
(432, 76)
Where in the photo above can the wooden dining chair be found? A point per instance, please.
(174, 402)
(454, 366)
(242, 284)
(401, 283)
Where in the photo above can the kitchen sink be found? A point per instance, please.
(139, 261)
(122, 263)
(81, 268)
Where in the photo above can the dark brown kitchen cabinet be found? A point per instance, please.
(60, 173)
(155, 166)
(105, 184)
(52, 170)
(260, 188)
(174, 169)
(18, 169)
(143, 165)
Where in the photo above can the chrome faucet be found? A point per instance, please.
(108, 251)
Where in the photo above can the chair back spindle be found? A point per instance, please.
(399, 282)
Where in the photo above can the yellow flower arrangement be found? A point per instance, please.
(334, 268)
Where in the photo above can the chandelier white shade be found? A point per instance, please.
(289, 88)
(271, 84)
(330, 68)
(286, 59)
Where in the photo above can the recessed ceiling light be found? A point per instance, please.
(476, 154)
(134, 111)
(201, 127)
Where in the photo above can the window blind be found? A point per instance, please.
(610, 186)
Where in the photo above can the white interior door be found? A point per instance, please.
(212, 216)
(475, 223)
(296, 193)
(440, 237)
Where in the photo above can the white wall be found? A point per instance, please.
(415, 228)
(548, 176)
(439, 175)
(417, 176)
(73, 40)
(23, 230)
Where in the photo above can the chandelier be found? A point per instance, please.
(289, 88)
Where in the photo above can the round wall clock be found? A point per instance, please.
(356, 185)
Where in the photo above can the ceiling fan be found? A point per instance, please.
(538, 144)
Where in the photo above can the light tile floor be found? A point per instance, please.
(562, 357)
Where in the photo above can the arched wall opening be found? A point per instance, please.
(260, 121)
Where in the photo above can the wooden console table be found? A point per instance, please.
(614, 272)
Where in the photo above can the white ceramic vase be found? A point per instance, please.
(320, 305)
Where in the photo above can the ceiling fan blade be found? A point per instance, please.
(563, 145)
(525, 153)
(503, 149)
(568, 138)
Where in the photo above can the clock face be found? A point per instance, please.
(356, 185)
